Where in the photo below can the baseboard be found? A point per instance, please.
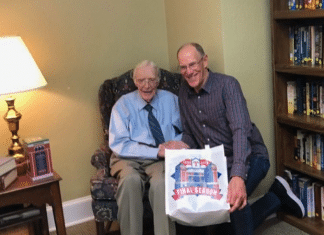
(75, 212)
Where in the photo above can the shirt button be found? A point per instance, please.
(198, 97)
(199, 111)
(208, 139)
(204, 125)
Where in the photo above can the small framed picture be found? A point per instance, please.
(39, 159)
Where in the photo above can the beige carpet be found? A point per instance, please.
(270, 227)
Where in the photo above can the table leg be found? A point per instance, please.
(57, 209)
(44, 220)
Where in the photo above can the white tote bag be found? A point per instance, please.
(196, 186)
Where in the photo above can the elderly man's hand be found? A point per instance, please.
(171, 145)
(236, 195)
(175, 145)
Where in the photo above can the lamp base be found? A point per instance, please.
(16, 150)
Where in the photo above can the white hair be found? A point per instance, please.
(147, 63)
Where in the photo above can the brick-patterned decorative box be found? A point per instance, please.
(39, 157)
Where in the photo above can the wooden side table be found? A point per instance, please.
(38, 193)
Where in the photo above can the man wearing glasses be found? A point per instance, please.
(214, 112)
(141, 125)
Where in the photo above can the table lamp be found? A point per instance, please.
(18, 73)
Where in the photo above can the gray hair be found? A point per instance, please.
(199, 48)
(147, 63)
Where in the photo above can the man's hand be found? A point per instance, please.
(236, 195)
(171, 145)
(175, 145)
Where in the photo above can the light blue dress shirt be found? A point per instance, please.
(129, 132)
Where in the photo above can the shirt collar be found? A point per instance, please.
(142, 103)
(206, 88)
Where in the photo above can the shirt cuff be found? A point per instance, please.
(239, 170)
(153, 153)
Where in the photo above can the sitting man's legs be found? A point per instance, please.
(162, 224)
(129, 196)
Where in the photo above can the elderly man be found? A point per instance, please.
(214, 111)
(141, 124)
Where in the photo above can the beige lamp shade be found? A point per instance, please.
(18, 70)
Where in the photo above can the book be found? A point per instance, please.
(303, 183)
(294, 184)
(291, 96)
(8, 178)
(307, 98)
(309, 149)
(322, 202)
(300, 84)
(310, 201)
(292, 4)
(317, 200)
(310, 4)
(318, 46)
(7, 164)
(300, 146)
(317, 164)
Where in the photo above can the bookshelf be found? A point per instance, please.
(286, 124)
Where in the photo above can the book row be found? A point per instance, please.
(305, 98)
(305, 4)
(309, 149)
(306, 45)
(310, 192)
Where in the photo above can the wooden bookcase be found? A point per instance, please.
(286, 124)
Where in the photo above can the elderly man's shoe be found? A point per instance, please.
(289, 201)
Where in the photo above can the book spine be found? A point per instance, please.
(292, 5)
(297, 46)
(291, 96)
(309, 203)
(303, 193)
(312, 44)
(307, 99)
(307, 149)
(294, 184)
(291, 45)
(300, 96)
(317, 200)
(318, 151)
(8, 178)
(322, 153)
(314, 160)
(322, 202)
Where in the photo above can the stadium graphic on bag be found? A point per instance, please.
(196, 177)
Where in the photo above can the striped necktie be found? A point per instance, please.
(154, 126)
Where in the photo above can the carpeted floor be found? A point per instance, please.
(270, 227)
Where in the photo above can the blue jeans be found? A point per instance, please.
(246, 220)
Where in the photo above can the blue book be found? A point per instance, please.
(297, 46)
(303, 183)
(292, 5)
(294, 184)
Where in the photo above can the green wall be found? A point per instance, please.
(79, 44)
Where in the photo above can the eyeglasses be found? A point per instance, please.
(192, 66)
(150, 81)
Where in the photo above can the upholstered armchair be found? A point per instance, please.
(103, 185)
